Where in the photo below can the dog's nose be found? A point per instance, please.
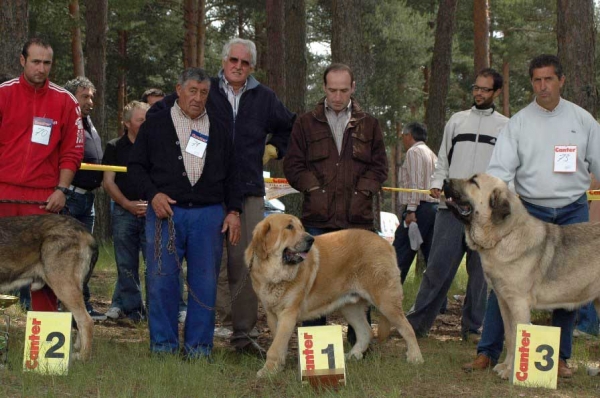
(446, 183)
(309, 239)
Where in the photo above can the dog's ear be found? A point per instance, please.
(499, 205)
(258, 246)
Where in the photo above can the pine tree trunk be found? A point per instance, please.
(96, 17)
(435, 115)
(14, 30)
(296, 65)
(76, 49)
(576, 40)
(481, 25)
(348, 44)
(276, 48)
(190, 42)
(506, 88)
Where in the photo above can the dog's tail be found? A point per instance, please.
(383, 330)
(93, 246)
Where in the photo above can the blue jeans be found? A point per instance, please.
(492, 337)
(129, 238)
(198, 239)
(81, 207)
(425, 214)
(447, 252)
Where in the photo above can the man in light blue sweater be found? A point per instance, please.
(549, 149)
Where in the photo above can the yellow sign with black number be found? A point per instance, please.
(321, 356)
(536, 356)
(47, 343)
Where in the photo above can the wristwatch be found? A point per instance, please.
(64, 190)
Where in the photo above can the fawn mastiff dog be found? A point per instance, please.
(299, 277)
(54, 250)
(529, 263)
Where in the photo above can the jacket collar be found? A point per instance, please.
(27, 86)
(484, 112)
(356, 115)
(251, 81)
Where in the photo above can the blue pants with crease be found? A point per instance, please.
(198, 239)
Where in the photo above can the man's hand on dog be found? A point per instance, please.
(161, 204)
(233, 225)
(435, 193)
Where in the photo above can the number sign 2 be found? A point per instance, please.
(47, 343)
(321, 356)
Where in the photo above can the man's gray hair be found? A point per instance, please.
(197, 74)
(249, 44)
(131, 107)
(79, 81)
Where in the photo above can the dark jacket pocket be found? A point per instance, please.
(361, 208)
(361, 147)
(317, 205)
(317, 145)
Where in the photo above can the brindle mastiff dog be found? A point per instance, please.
(54, 250)
(529, 263)
(299, 277)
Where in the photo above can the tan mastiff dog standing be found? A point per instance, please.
(299, 277)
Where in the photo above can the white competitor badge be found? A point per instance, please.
(197, 144)
(42, 127)
(565, 158)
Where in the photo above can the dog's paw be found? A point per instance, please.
(357, 355)
(267, 370)
(414, 358)
(505, 374)
(76, 356)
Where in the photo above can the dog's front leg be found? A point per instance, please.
(286, 323)
(503, 368)
(520, 312)
(272, 321)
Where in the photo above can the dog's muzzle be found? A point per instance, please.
(455, 202)
(295, 255)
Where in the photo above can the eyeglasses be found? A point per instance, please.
(235, 60)
(485, 90)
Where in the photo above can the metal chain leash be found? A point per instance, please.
(172, 249)
(24, 202)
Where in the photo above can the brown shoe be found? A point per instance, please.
(564, 370)
(482, 362)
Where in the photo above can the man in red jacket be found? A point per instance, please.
(41, 144)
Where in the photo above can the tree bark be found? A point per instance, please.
(201, 42)
(296, 65)
(348, 44)
(76, 48)
(190, 42)
(96, 17)
(122, 85)
(276, 48)
(576, 40)
(435, 113)
(481, 24)
(506, 88)
(296, 62)
(14, 30)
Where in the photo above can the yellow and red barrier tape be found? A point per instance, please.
(283, 183)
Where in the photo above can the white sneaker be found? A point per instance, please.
(222, 332)
(181, 317)
(113, 313)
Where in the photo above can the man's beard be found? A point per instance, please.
(485, 105)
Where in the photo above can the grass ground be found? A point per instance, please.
(122, 367)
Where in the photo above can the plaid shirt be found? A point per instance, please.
(184, 126)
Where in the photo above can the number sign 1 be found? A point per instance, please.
(47, 342)
(536, 356)
(321, 356)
